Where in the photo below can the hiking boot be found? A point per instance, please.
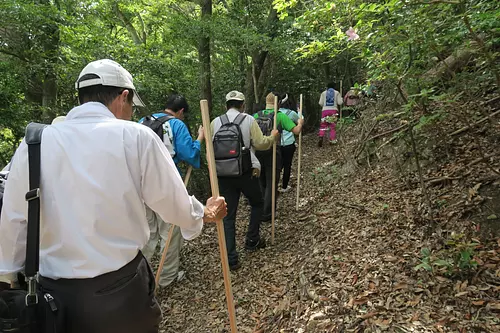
(260, 244)
(284, 190)
(320, 142)
(332, 142)
(235, 266)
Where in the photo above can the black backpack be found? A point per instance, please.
(156, 124)
(265, 122)
(232, 158)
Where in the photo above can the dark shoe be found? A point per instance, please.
(260, 244)
(235, 267)
(266, 219)
(320, 143)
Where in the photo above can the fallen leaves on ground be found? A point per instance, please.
(343, 263)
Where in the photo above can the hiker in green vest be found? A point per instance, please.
(265, 119)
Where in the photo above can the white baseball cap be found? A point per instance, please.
(235, 96)
(58, 120)
(110, 73)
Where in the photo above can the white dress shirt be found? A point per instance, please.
(97, 172)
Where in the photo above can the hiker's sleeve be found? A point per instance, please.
(340, 101)
(13, 225)
(211, 132)
(163, 189)
(322, 99)
(259, 140)
(285, 122)
(187, 149)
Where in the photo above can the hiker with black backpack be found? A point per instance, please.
(174, 133)
(265, 120)
(236, 136)
(330, 100)
(288, 145)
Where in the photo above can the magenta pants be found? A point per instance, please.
(324, 125)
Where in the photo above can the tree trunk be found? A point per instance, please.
(243, 67)
(256, 83)
(50, 43)
(131, 29)
(253, 91)
(449, 66)
(204, 52)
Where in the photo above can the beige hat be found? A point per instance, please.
(109, 73)
(58, 119)
(235, 96)
(270, 101)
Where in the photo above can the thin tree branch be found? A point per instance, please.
(419, 169)
(143, 26)
(483, 48)
(433, 2)
(496, 112)
(130, 27)
(13, 55)
(483, 156)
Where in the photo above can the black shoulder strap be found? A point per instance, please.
(224, 119)
(161, 119)
(33, 138)
(164, 119)
(239, 119)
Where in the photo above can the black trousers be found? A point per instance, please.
(231, 189)
(115, 302)
(266, 180)
(287, 153)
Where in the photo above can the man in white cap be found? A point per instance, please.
(248, 182)
(97, 172)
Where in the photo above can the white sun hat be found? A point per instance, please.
(110, 73)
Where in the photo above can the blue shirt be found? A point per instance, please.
(288, 138)
(186, 149)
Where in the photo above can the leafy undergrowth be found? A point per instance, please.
(346, 262)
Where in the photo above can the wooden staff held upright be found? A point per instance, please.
(300, 156)
(273, 204)
(220, 227)
(340, 110)
(170, 235)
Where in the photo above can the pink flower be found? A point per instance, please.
(352, 34)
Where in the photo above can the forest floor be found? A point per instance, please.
(346, 261)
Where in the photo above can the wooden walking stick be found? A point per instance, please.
(273, 196)
(341, 96)
(220, 226)
(170, 235)
(300, 156)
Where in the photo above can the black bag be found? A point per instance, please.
(31, 310)
(266, 122)
(232, 158)
(156, 124)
